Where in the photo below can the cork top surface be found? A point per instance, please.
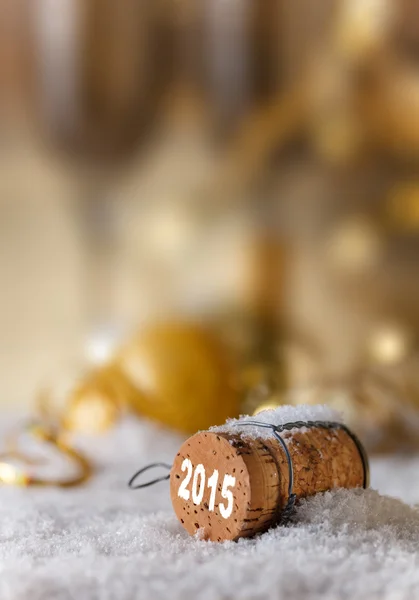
(210, 487)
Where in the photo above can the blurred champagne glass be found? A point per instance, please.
(96, 70)
(101, 70)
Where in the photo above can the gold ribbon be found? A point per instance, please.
(11, 474)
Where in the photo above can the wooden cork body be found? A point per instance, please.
(229, 485)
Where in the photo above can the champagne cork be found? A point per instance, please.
(229, 485)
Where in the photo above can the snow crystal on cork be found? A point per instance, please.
(277, 416)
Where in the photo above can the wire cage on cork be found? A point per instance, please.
(244, 477)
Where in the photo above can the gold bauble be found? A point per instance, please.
(184, 375)
(97, 402)
(91, 411)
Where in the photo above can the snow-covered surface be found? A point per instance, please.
(106, 542)
(278, 416)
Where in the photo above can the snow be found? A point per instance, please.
(106, 542)
(278, 416)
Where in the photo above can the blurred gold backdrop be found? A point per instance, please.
(250, 166)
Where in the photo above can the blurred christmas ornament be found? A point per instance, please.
(84, 399)
(99, 401)
(184, 376)
(91, 411)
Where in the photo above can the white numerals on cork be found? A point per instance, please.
(198, 487)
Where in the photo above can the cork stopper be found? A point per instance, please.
(228, 486)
